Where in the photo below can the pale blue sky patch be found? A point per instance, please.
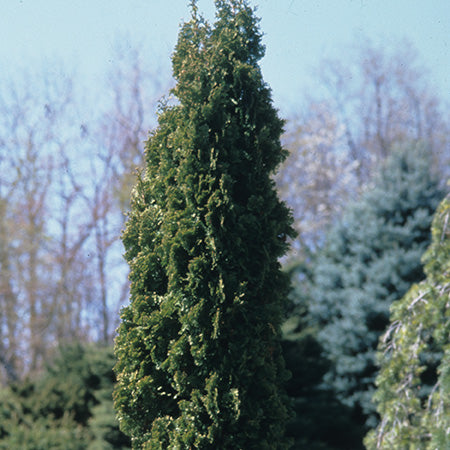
(298, 33)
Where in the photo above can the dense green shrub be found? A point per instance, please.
(321, 420)
(69, 407)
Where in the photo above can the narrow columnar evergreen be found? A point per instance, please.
(198, 348)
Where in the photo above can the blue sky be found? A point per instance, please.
(298, 34)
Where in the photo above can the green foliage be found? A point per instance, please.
(321, 421)
(371, 258)
(413, 416)
(68, 407)
(199, 358)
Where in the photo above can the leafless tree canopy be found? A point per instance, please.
(66, 178)
(373, 101)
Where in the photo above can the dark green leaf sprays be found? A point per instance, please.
(199, 362)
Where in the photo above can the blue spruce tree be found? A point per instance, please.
(371, 258)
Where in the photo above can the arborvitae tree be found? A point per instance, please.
(371, 258)
(420, 326)
(199, 358)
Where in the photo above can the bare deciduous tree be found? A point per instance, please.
(377, 100)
